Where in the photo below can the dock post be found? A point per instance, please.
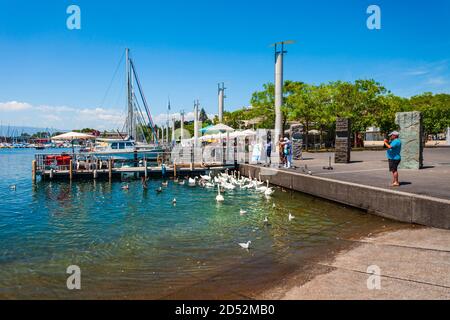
(70, 170)
(95, 173)
(145, 169)
(110, 169)
(174, 170)
(51, 174)
(33, 170)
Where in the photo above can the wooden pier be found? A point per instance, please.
(131, 172)
(57, 167)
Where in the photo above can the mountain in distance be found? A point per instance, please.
(6, 130)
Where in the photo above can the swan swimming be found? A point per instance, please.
(245, 245)
(290, 217)
(219, 197)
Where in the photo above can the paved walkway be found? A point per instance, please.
(414, 264)
(371, 168)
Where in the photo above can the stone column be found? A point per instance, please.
(343, 140)
(448, 136)
(411, 132)
(297, 141)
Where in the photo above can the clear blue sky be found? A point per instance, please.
(54, 77)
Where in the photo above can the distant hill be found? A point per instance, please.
(18, 130)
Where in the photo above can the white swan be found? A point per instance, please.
(219, 197)
(269, 191)
(245, 245)
(192, 182)
(242, 212)
(291, 217)
(206, 177)
(263, 188)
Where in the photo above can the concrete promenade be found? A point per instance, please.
(371, 168)
(422, 198)
(414, 263)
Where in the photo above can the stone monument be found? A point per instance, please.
(411, 132)
(343, 140)
(296, 131)
(448, 136)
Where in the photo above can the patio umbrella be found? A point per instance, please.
(71, 136)
(219, 128)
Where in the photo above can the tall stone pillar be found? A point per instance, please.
(411, 132)
(448, 136)
(343, 140)
(297, 141)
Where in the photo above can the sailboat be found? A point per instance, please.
(138, 124)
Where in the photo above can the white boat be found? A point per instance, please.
(124, 150)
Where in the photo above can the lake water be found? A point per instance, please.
(136, 244)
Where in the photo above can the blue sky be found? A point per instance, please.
(54, 77)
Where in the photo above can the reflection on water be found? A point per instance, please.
(136, 243)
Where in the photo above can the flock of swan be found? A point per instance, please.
(226, 181)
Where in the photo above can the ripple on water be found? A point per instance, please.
(137, 242)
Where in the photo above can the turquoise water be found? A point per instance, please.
(137, 244)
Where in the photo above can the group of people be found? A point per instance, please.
(285, 152)
(393, 154)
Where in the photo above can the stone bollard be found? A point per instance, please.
(411, 131)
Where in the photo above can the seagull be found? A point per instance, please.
(12, 187)
(125, 187)
(159, 190)
(309, 172)
(266, 220)
(165, 183)
(245, 245)
(291, 217)
(174, 201)
(242, 212)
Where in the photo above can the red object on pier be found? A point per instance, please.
(62, 160)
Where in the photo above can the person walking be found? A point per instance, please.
(394, 146)
(287, 148)
(281, 151)
(268, 151)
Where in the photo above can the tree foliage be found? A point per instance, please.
(366, 102)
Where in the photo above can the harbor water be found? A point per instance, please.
(136, 243)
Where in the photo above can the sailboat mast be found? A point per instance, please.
(130, 122)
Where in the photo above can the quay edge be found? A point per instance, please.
(392, 204)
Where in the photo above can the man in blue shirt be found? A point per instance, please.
(393, 155)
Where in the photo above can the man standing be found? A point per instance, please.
(393, 154)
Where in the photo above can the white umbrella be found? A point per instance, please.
(314, 132)
(219, 128)
(249, 132)
(71, 136)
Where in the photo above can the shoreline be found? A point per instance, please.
(345, 275)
